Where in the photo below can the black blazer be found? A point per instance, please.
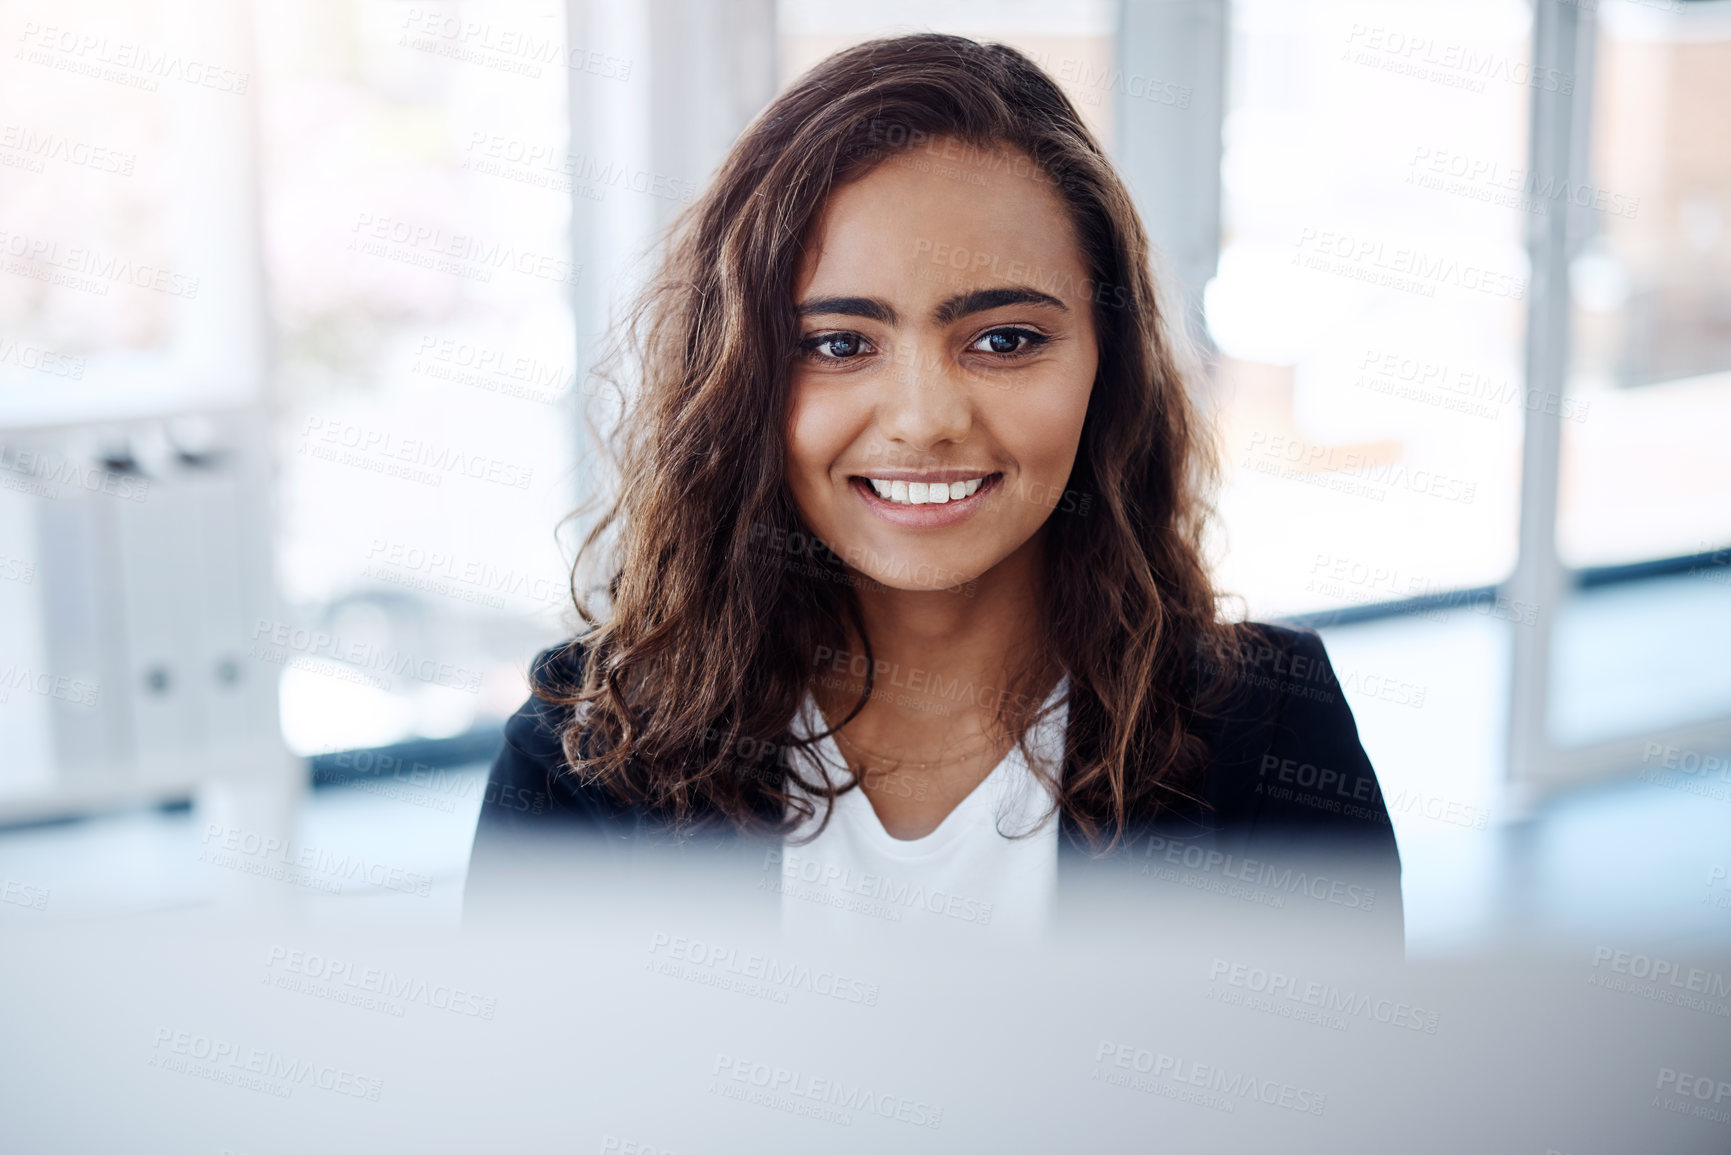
(1290, 820)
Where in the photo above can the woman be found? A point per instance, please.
(907, 581)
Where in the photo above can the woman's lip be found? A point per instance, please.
(931, 515)
(927, 475)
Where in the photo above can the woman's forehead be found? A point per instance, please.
(921, 226)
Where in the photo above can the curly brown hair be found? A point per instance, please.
(702, 656)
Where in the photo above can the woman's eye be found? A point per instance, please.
(836, 346)
(1008, 341)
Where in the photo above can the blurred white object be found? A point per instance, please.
(136, 684)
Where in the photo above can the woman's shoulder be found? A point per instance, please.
(536, 731)
(531, 775)
(1285, 748)
(1290, 809)
(1269, 662)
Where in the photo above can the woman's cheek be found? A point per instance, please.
(819, 428)
(1041, 422)
(804, 428)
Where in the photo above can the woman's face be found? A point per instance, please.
(945, 363)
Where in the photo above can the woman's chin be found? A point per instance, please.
(901, 583)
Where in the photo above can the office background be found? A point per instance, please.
(297, 306)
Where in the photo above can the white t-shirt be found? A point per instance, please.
(857, 882)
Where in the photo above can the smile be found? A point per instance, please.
(924, 492)
(935, 500)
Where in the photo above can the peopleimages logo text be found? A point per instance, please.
(365, 655)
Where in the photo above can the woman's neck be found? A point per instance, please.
(972, 636)
(946, 663)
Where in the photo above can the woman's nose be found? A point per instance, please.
(927, 401)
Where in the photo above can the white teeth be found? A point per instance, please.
(925, 492)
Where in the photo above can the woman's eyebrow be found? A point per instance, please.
(979, 300)
(870, 308)
(960, 305)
